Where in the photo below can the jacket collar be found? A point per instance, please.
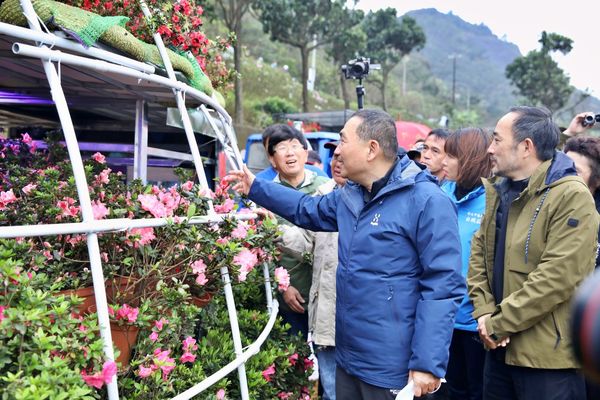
(309, 178)
(451, 186)
(547, 174)
(404, 174)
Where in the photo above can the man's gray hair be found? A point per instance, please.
(536, 123)
(379, 126)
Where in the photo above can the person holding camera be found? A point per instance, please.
(398, 280)
(528, 258)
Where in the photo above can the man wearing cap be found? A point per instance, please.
(398, 282)
(314, 159)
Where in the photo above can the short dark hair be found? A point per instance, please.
(440, 133)
(469, 146)
(379, 126)
(280, 133)
(536, 123)
(589, 147)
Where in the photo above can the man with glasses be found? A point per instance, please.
(287, 150)
(535, 245)
(398, 280)
(270, 173)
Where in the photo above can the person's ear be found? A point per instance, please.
(529, 147)
(374, 149)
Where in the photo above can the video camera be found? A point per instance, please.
(358, 68)
(588, 120)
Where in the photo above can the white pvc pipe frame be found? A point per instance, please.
(130, 68)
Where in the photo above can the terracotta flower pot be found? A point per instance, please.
(202, 301)
(122, 289)
(124, 338)
(86, 293)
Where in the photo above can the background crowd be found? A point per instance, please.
(456, 259)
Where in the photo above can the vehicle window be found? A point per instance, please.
(257, 158)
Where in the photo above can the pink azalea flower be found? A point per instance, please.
(99, 209)
(102, 177)
(198, 267)
(144, 372)
(146, 235)
(240, 231)
(6, 198)
(293, 359)
(2, 308)
(188, 186)
(67, 207)
(226, 207)
(189, 343)
(187, 357)
(267, 373)
(99, 158)
(201, 279)
(246, 260)
(151, 204)
(283, 278)
(109, 370)
(128, 313)
(28, 188)
(164, 362)
(154, 336)
(220, 394)
(159, 324)
(284, 395)
(26, 138)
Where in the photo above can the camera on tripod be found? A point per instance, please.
(590, 120)
(358, 68)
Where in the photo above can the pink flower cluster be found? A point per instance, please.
(282, 277)
(6, 198)
(158, 326)
(240, 231)
(67, 207)
(2, 308)
(199, 268)
(125, 312)
(97, 380)
(246, 260)
(188, 345)
(99, 209)
(102, 177)
(140, 236)
(161, 203)
(99, 158)
(161, 361)
(268, 372)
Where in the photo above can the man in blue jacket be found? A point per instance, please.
(398, 279)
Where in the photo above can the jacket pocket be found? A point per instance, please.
(557, 330)
(521, 268)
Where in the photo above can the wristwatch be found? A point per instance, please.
(494, 337)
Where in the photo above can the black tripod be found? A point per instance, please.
(360, 94)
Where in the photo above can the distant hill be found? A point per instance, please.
(481, 58)
(481, 65)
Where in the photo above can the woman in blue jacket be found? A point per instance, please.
(465, 164)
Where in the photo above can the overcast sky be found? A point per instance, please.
(522, 21)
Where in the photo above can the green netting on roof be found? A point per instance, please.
(88, 27)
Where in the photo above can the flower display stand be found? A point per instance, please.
(85, 66)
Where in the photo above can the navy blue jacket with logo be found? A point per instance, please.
(399, 282)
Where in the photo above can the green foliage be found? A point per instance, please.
(43, 346)
(388, 40)
(538, 77)
(275, 105)
(304, 24)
